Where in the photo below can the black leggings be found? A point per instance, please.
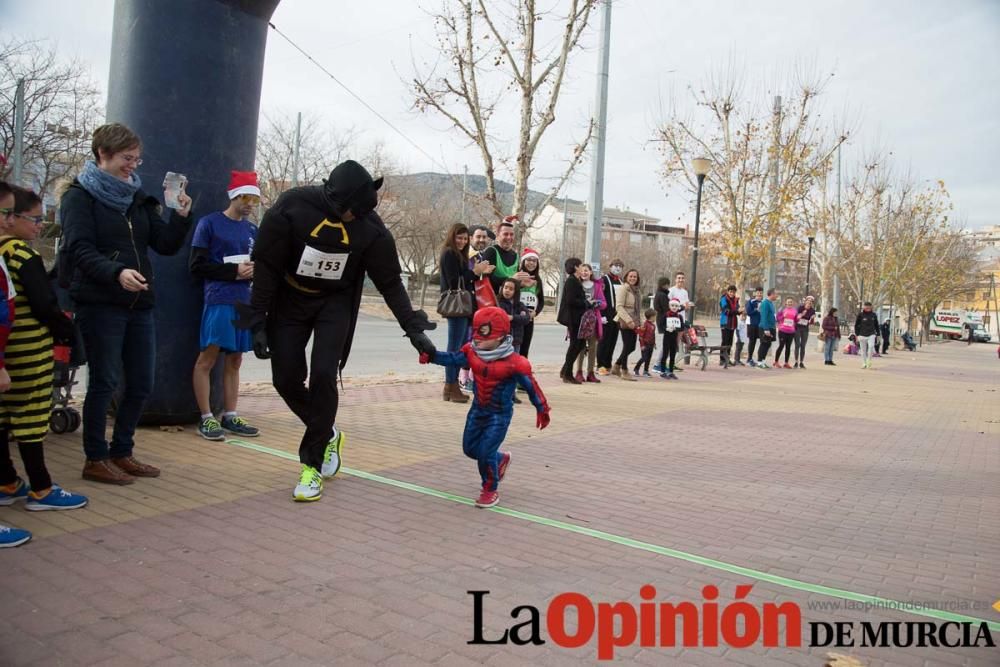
(801, 338)
(628, 347)
(529, 331)
(753, 334)
(647, 356)
(785, 341)
(33, 458)
(296, 318)
(576, 346)
(670, 340)
(765, 343)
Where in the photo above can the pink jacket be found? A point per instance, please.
(786, 319)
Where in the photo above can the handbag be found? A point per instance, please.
(485, 296)
(822, 335)
(456, 302)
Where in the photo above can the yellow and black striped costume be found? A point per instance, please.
(24, 408)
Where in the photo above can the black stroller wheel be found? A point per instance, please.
(59, 420)
(74, 419)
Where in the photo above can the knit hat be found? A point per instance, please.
(490, 323)
(243, 183)
(674, 302)
(528, 253)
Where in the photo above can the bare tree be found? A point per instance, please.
(747, 200)
(492, 49)
(61, 111)
(320, 150)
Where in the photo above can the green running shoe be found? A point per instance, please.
(332, 456)
(310, 486)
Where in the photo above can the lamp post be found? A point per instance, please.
(701, 165)
(812, 237)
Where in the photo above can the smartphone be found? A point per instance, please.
(173, 186)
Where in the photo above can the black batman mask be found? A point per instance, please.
(351, 187)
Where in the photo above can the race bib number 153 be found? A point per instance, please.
(324, 265)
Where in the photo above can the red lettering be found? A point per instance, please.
(793, 623)
(555, 620)
(607, 640)
(668, 624)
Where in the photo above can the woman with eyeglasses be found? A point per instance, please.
(38, 321)
(109, 225)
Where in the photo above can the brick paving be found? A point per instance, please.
(880, 482)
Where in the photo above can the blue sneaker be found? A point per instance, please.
(658, 368)
(20, 492)
(12, 537)
(55, 499)
(239, 426)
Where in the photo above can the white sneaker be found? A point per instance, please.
(332, 456)
(310, 486)
(763, 364)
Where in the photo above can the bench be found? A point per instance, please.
(701, 351)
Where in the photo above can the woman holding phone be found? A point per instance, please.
(109, 225)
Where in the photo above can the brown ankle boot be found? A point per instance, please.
(592, 378)
(136, 468)
(456, 394)
(106, 472)
(446, 392)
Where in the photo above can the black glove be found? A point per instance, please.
(421, 343)
(415, 328)
(260, 349)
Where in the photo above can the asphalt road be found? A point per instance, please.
(379, 349)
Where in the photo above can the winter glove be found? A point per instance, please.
(542, 420)
(250, 319)
(415, 328)
(260, 347)
(425, 358)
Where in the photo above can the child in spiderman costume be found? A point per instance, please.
(497, 370)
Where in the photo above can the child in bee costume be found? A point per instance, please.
(496, 370)
(314, 247)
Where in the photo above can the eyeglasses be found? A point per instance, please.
(37, 219)
(133, 159)
(6, 212)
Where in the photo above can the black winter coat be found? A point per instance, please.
(573, 305)
(866, 324)
(100, 243)
(661, 304)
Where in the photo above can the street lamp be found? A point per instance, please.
(701, 165)
(811, 235)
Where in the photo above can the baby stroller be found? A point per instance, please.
(67, 359)
(908, 342)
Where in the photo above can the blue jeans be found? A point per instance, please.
(116, 339)
(829, 345)
(458, 328)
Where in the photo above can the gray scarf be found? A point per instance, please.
(505, 349)
(107, 189)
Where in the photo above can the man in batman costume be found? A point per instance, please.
(314, 247)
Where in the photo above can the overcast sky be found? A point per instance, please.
(922, 77)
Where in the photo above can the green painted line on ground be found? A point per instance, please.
(804, 586)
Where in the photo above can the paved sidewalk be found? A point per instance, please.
(882, 482)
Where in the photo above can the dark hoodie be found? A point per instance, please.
(304, 246)
(661, 304)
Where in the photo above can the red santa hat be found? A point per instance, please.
(528, 253)
(243, 183)
(490, 323)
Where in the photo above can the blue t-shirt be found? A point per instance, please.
(227, 241)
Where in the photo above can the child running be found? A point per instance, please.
(496, 369)
(647, 342)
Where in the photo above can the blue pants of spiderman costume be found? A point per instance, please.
(495, 381)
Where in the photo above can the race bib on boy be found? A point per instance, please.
(673, 323)
(323, 265)
(236, 259)
(529, 300)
